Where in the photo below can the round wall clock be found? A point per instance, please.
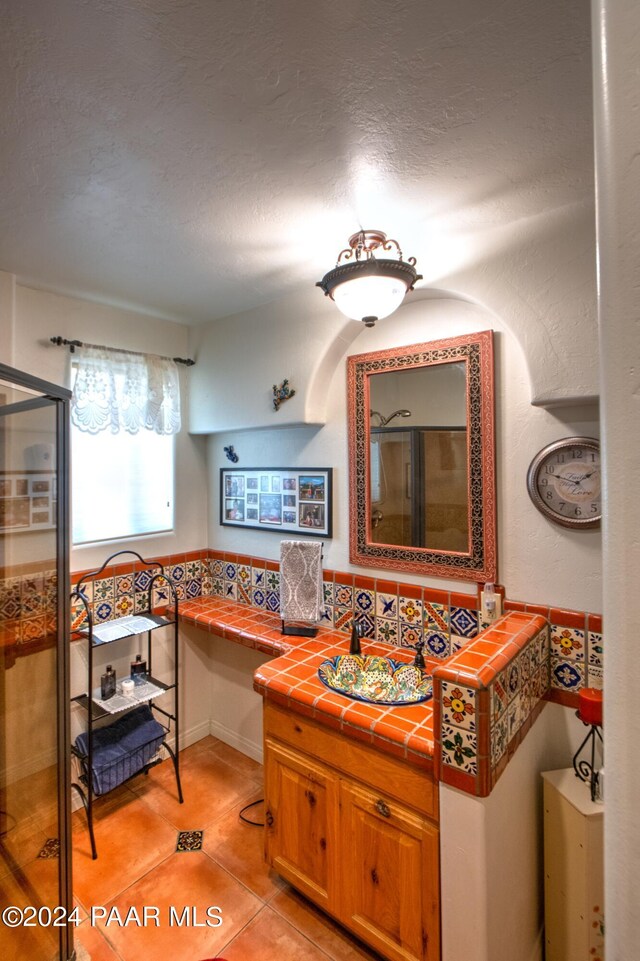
(564, 482)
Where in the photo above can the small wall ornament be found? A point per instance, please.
(231, 454)
(282, 393)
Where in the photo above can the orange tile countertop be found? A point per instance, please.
(406, 731)
(292, 679)
(486, 695)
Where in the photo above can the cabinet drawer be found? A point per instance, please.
(391, 776)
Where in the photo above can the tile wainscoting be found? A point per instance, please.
(390, 612)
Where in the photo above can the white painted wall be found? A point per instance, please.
(33, 316)
(616, 34)
(491, 852)
(538, 561)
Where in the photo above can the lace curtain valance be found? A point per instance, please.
(119, 390)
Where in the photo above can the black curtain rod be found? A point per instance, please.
(72, 344)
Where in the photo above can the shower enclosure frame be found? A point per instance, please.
(59, 396)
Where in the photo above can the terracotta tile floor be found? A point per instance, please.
(136, 828)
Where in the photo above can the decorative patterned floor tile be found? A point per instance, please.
(459, 749)
(189, 841)
(566, 675)
(458, 706)
(437, 644)
(464, 622)
(567, 642)
(51, 849)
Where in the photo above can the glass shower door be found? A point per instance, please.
(34, 809)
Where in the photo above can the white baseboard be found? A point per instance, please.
(251, 748)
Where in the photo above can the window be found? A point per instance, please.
(122, 485)
(125, 411)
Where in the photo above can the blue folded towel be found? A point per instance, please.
(122, 748)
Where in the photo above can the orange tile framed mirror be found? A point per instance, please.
(422, 458)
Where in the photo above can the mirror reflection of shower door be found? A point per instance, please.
(419, 488)
(34, 818)
(445, 516)
(391, 490)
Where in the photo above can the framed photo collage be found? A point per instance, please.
(287, 499)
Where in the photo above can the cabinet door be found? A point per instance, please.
(301, 813)
(391, 874)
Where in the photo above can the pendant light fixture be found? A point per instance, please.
(365, 287)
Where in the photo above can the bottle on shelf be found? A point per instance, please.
(138, 670)
(108, 683)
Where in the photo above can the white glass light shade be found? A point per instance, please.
(369, 296)
(369, 288)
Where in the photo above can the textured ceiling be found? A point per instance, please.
(200, 157)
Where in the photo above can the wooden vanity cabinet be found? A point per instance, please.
(355, 830)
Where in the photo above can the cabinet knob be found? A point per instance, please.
(382, 808)
(268, 818)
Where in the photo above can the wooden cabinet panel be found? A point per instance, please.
(391, 861)
(301, 811)
(347, 827)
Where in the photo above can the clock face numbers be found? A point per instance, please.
(566, 482)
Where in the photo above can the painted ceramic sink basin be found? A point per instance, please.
(378, 680)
